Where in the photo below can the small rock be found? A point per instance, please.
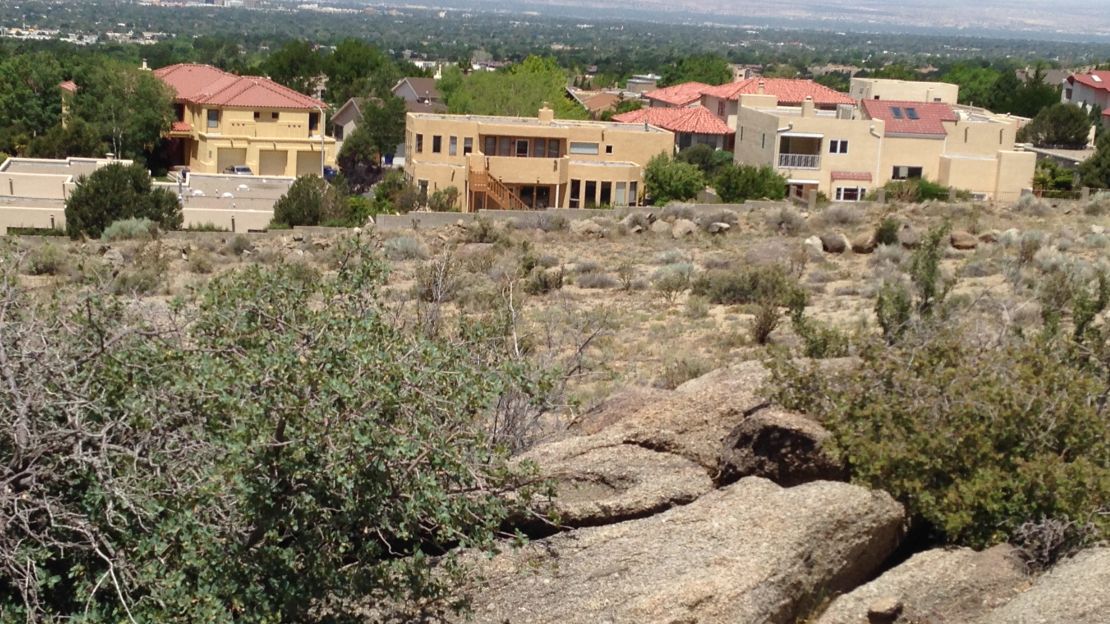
(114, 258)
(585, 227)
(909, 237)
(834, 243)
(1098, 229)
(718, 228)
(660, 227)
(884, 611)
(683, 227)
(962, 240)
(814, 243)
(635, 229)
(298, 238)
(990, 236)
(864, 243)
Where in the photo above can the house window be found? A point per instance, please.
(521, 148)
(1067, 94)
(849, 194)
(504, 146)
(553, 146)
(838, 146)
(539, 148)
(621, 196)
(633, 193)
(338, 132)
(721, 108)
(606, 194)
(419, 144)
(583, 149)
(179, 112)
(468, 145)
(213, 118)
(590, 200)
(437, 144)
(763, 141)
(490, 146)
(453, 146)
(313, 121)
(903, 172)
(608, 149)
(575, 193)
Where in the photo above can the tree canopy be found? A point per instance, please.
(666, 179)
(129, 109)
(358, 69)
(708, 68)
(115, 192)
(520, 90)
(296, 65)
(381, 130)
(1059, 125)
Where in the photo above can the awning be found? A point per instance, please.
(803, 135)
(796, 181)
(858, 176)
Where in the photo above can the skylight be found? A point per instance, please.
(896, 111)
(912, 113)
(1096, 77)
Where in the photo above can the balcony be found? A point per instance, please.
(512, 170)
(800, 161)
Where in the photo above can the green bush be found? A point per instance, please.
(667, 180)
(47, 259)
(130, 229)
(886, 233)
(310, 200)
(673, 279)
(737, 183)
(270, 460)
(770, 283)
(975, 440)
(540, 281)
(116, 192)
(444, 200)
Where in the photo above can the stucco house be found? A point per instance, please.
(222, 120)
(694, 125)
(1088, 89)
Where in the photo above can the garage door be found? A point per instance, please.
(229, 156)
(272, 162)
(308, 163)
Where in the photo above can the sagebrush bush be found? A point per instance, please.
(673, 279)
(46, 259)
(842, 214)
(200, 261)
(770, 283)
(680, 368)
(237, 245)
(402, 248)
(764, 321)
(786, 220)
(596, 280)
(130, 229)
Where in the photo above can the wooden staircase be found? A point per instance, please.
(503, 196)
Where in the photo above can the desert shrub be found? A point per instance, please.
(670, 256)
(626, 273)
(145, 276)
(130, 229)
(483, 230)
(311, 200)
(717, 262)
(921, 190)
(1044, 542)
(1028, 244)
(541, 281)
(886, 233)
(697, 307)
(770, 283)
(437, 280)
(818, 339)
(976, 439)
(841, 214)
(200, 261)
(207, 226)
(764, 321)
(786, 220)
(240, 458)
(444, 200)
(1032, 205)
(237, 245)
(737, 183)
(405, 248)
(117, 192)
(666, 180)
(893, 310)
(673, 279)
(587, 266)
(1097, 206)
(678, 369)
(46, 259)
(677, 211)
(552, 223)
(596, 280)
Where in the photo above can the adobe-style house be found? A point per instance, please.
(847, 152)
(1088, 89)
(531, 162)
(223, 120)
(903, 90)
(694, 125)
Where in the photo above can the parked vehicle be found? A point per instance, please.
(239, 170)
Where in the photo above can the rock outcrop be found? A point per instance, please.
(1076, 591)
(777, 445)
(958, 585)
(750, 552)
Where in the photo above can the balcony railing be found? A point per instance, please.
(800, 161)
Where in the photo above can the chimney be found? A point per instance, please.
(547, 116)
(761, 87)
(807, 106)
(144, 66)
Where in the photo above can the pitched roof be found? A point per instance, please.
(678, 95)
(204, 84)
(181, 126)
(68, 86)
(1099, 80)
(788, 90)
(425, 88)
(919, 118)
(693, 120)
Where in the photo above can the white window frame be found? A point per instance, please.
(838, 146)
(860, 193)
(583, 148)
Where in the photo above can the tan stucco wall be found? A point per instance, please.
(623, 151)
(921, 152)
(906, 90)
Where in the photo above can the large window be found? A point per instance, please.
(838, 146)
(437, 144)
(213, 118)
(489, 146)
(504, 146)
(468, 145)
(606, 198)
(583, 149)
(539, 148)
(419, 144)
(575, 194)
(521, 148)
(633, 193)
(903, 172)
(849, 194)
(453, 146)
(553, 148)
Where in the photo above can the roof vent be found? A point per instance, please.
(1096, 77)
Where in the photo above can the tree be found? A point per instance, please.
(30, 100)
(115, 192)
(737, 183)
(1026, 99)
(76, 138)
(706, 158)
(1059, 125)
(357, 68)
(129, 108)
(708, 68)
(310, 200)
(520, 91)
(1095, 171)
(666, 180)
(381, 130)
(976, 82)
(266, 459)
(296, 65)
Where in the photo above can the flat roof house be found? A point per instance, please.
(903, 90)
(224, 120)
(531, 162)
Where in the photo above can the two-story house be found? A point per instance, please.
(223, 120)
(1091, 90)
(531, 162)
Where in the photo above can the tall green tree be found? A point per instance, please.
(296, 65)
(130, 108)
(30, 100)
(707, 68)
(976, 82)
(666, 179)
(1095, 171)
(381, 130)
(358, 69)
(117, 192)
(519, 91)
(1059, 125)
(737, 183)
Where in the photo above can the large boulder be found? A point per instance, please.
(834, 243)
(962, 240)
(597, 482)
(586, 227)
(616, 407)
(1076, 591)
(750, 552)
(784, 447)
(660, 227)
(683, 228)
(864, 243)
(958, 585)
(909, 237)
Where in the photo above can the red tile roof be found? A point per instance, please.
(69, 86)
(694, 120)
(1099, 80)
(683, 94)
(919, 118)
(859, 176)
(204, 84)
(181, 126)
(790, 92)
